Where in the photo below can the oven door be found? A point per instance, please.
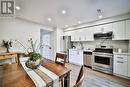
(102, 60)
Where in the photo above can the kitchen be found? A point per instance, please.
(102, 45)
(93, 36)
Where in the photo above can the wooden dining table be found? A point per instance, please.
(13, 75)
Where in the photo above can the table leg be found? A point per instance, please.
(67, 80)
(17, 58)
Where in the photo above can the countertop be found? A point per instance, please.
(63, 52)
(87, 50)
(123, 53)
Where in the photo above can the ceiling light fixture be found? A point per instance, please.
(63, 11)
(17, 7)
(49, 19)
(99, 13)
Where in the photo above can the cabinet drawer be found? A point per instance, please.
(120, 57)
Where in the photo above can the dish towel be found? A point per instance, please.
(41, 76)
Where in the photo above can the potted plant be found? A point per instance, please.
(34, 60)
(32, 50)
(34, 56)
(7, 45)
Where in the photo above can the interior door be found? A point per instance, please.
(45, 51)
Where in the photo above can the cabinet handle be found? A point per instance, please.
(120, 57)
(119, 62)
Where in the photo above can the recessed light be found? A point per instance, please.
(49, 19)
(63, 11)
(79, 22)
(66, 25)
(17, 7)
(100, 16)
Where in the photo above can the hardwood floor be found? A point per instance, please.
(97, 79)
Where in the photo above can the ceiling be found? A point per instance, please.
(76, 10)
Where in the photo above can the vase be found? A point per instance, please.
(33, 64)
(7, 50)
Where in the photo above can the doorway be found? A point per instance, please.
(45, 38)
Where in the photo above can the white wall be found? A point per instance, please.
(18, 29)
(129, 47)
(59, 33)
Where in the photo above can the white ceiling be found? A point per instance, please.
(77, 10)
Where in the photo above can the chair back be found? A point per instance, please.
(80, 77)
(61, 56)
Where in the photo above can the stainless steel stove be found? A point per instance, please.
(103, 59)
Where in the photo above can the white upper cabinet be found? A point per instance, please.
(127, 29)
(128, 66)
(67, 33)
(106, 27)
(85, 34)
(119, 30)
(80, 35)
(88, 33)
(74, 36)
(103, 28)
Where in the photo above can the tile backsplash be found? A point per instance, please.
(122, 44)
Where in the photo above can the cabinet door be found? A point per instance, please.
(81, 35)
(88, 34)
(72, 55)
(79, 57)
(67, 33)
(103, 28)
(97, 29)
(76, 57)
(128, 66)
(120, 65)
(119, 30)
(106, 27)
(127, 29)
(74, 36)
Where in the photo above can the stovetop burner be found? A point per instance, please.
(103, 50)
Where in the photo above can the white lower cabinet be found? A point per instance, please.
(120, 65)
(76, 56)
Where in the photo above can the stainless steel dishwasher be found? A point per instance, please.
(87, 57)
